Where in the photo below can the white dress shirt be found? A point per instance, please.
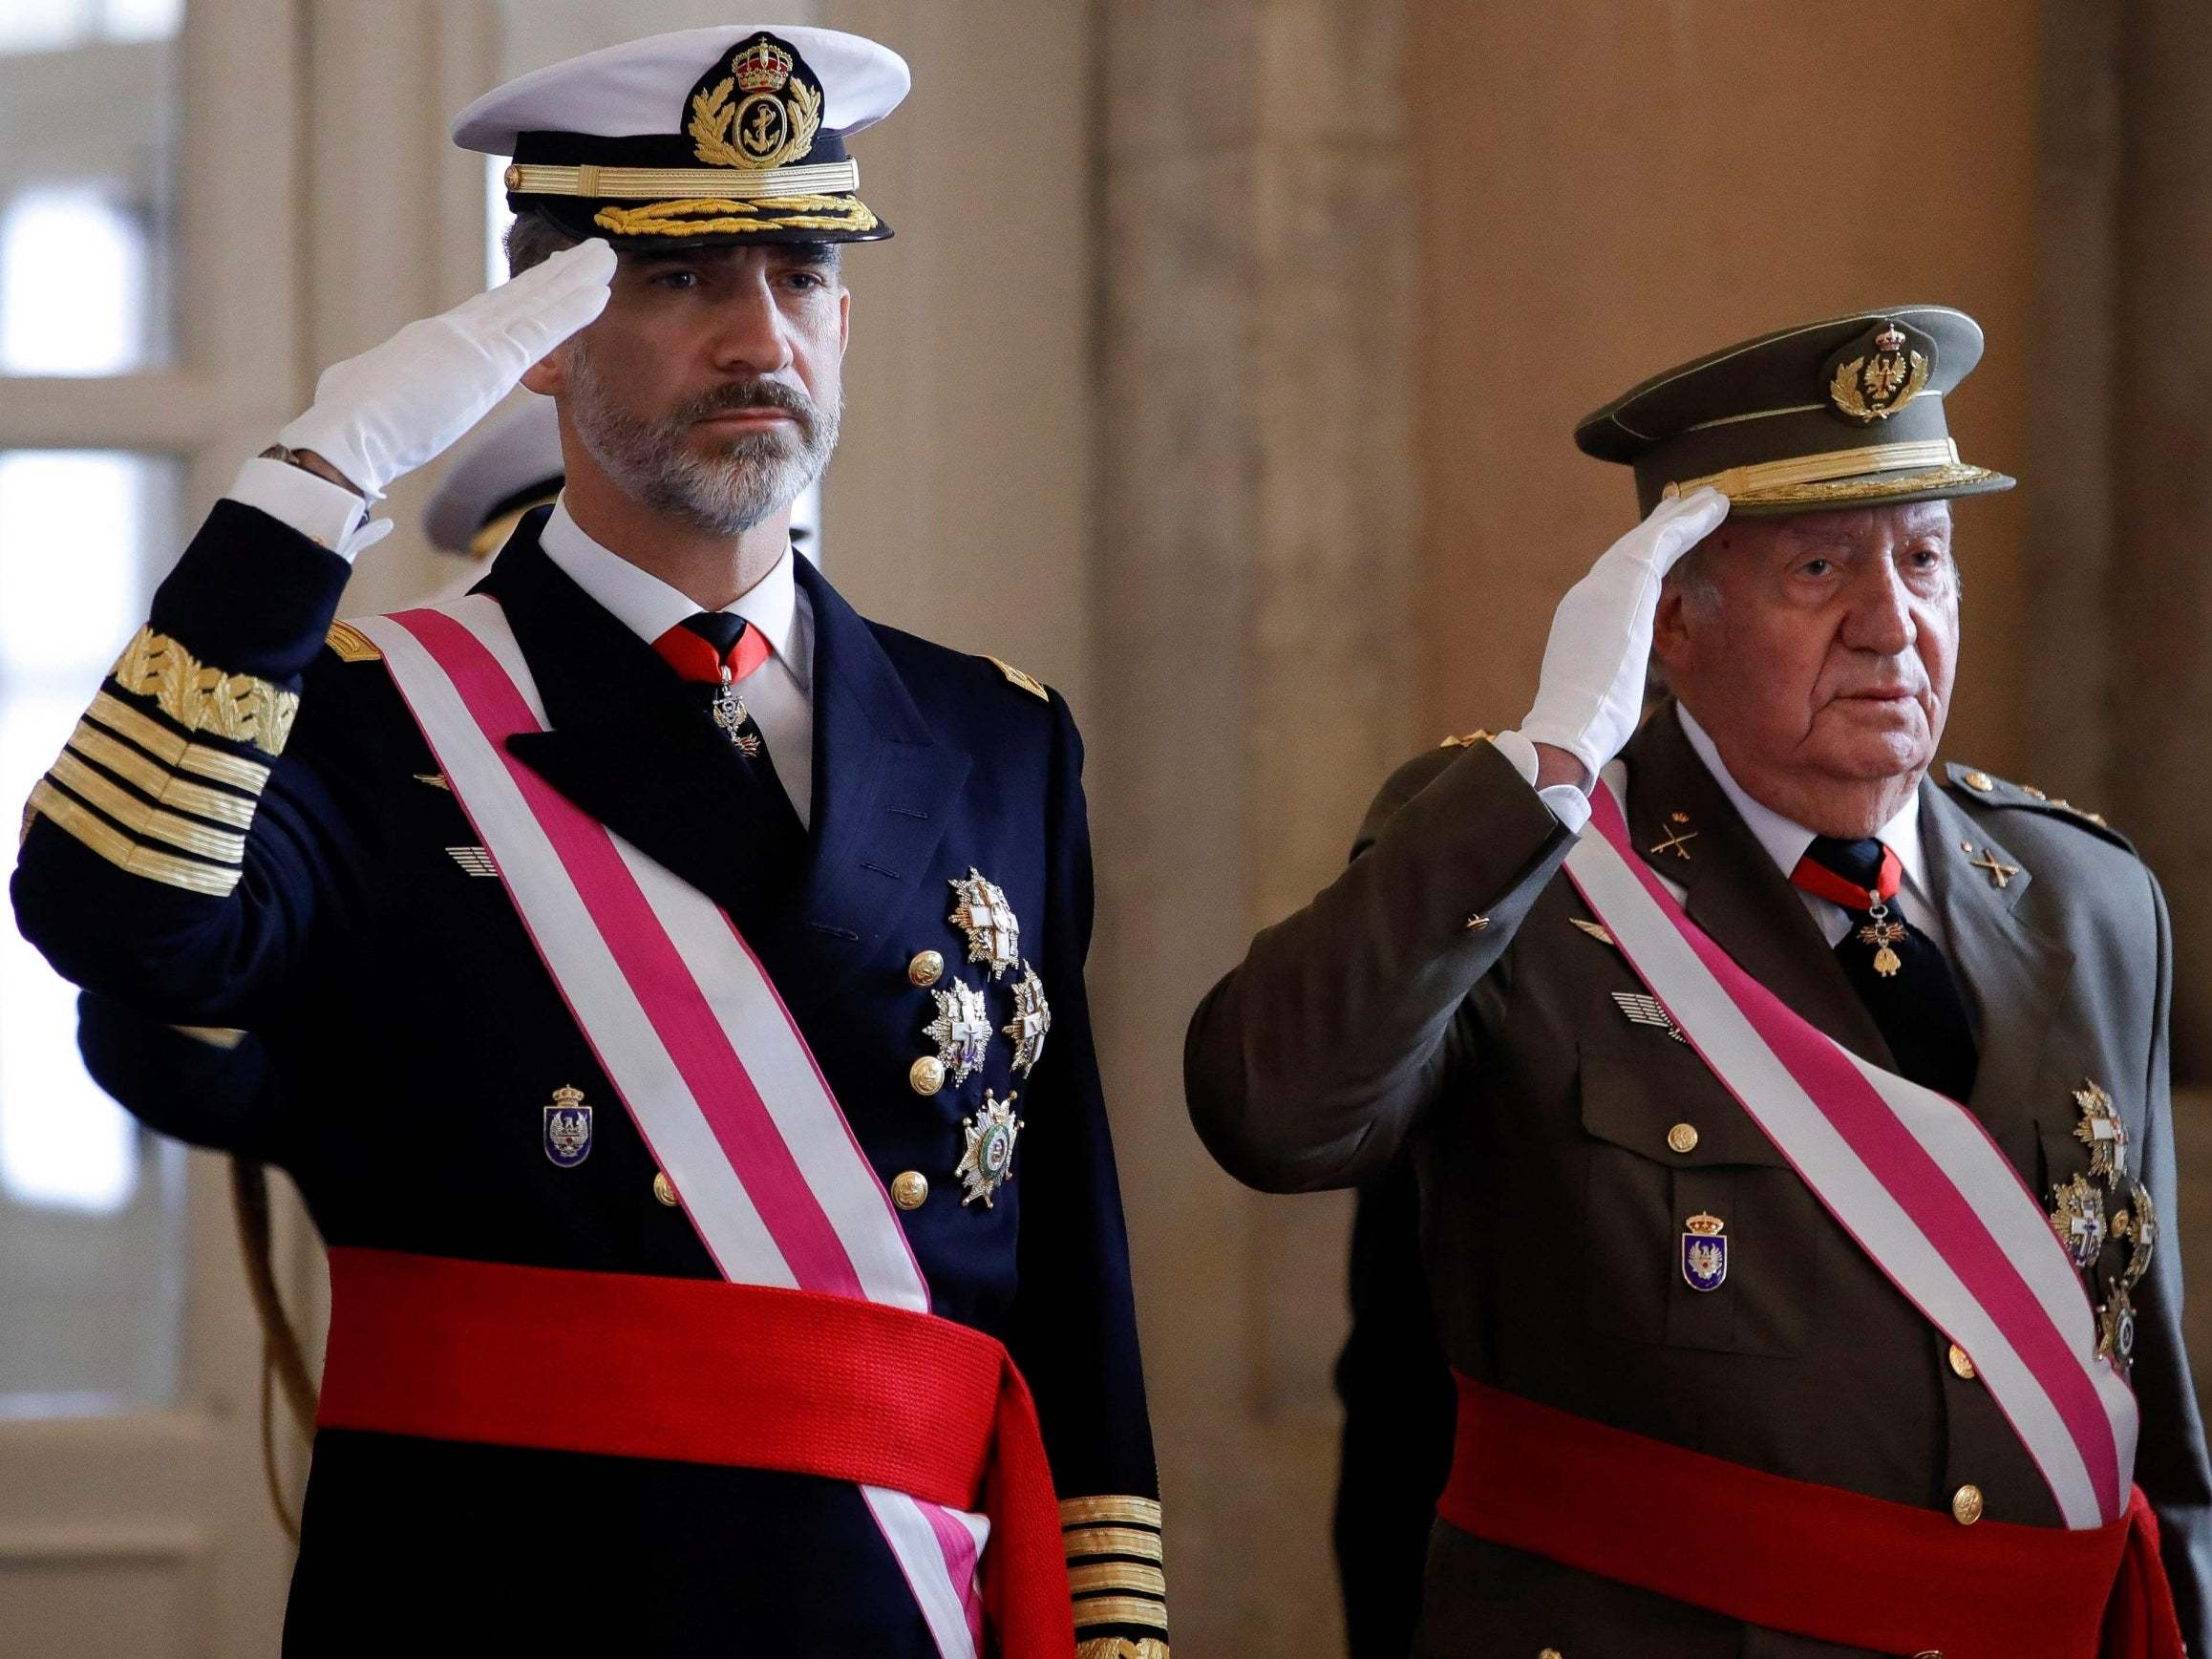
(778, 695)
(1786, 843)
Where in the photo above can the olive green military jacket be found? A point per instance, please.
(1438, 993)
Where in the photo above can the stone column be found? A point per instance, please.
(2121, 582)
(1251, 601)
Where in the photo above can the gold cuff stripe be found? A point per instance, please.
(1121, 1647)
(720, 215)
(140, 818)
(1111, 1541)
(126, 855)
(165, 745)
(1113, 1509)
(165, 787)
(200, 698)
(1121, 1610)
(350, 643)
(1822, 468)
(658, 183)
(1116, 1575)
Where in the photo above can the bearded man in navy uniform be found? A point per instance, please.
(560, 1407)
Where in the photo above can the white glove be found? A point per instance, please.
(1591, 691)
(385, 413)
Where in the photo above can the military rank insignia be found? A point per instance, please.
(988, 1163)
(961, 1029)
(1033, 1019)
(567, 1128)
(1704, 1252)
(980, 910)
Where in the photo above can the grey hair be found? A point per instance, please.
(533, 239)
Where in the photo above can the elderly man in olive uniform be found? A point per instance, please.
(1755, 1356)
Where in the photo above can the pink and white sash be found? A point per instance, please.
(713, 1068)
(1910, 1174)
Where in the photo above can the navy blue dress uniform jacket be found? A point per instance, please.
(413, 1039)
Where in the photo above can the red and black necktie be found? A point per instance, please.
(1899, 972)
(718, 649)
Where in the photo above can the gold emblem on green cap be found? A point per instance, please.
(1876, 384)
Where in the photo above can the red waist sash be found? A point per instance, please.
(1790, 1555)
(699, 1371)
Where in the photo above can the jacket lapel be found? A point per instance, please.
(628, 743)
(1733, 888)
(2009, 973)
(883, 786)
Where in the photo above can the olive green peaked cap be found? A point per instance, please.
(1840, 413)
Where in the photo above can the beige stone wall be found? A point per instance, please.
(1603, 191)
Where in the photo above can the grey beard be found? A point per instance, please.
(750, 478)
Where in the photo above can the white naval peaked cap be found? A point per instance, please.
(672, 141)
(508, 465)
(639, 87)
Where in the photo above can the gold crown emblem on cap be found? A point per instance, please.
(1877, 384)
(761, 67)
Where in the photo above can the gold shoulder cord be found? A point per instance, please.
(282, 1358)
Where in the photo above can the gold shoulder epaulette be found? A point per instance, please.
(1999, 792)
(1029, 683)
(350, 643)
(1467, 740)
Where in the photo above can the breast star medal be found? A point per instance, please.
(2101, 1131)
(1033, 1019)
(2116, 1327)
(961, 1029)
(988, 1163)
(1704, 1252)
(567, 1128)
(1882, 934)
(2077, 1218)
(980, 910)
(731, 714)
(2139, 1226)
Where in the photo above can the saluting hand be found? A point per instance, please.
(385, 413)
(1591, 691)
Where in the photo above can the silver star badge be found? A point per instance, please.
(980, 910)
(1033, 1019)
(961, 1029)
(988, 1164)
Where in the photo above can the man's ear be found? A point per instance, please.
(844, 321)
(548, 376)
(1669, 629)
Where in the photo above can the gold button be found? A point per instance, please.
(926, 1074)
(1980, 780)
(663, 1189)
(1476, 924)
(1550, 1653)
(1961, 1364)
(2030, 788)
(512, 178)
(1683, 1138)
(910, 1191)
(1966, 1505)
(927, 969)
